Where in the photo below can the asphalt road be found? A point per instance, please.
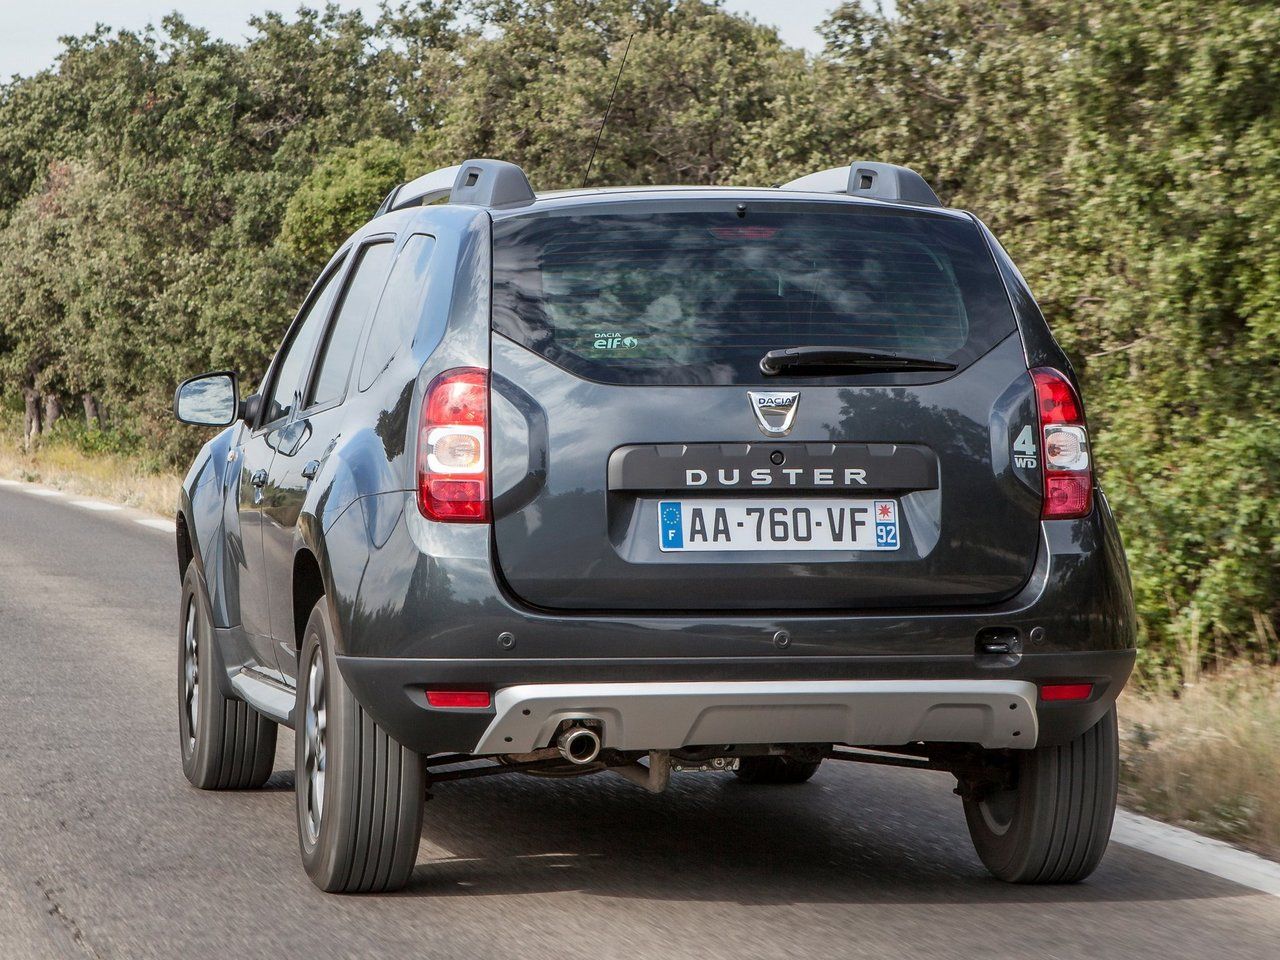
(106, 851)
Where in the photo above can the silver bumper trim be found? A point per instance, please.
(667, 716)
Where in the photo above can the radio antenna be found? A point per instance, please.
(587, 176)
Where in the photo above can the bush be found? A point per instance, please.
(166, 198)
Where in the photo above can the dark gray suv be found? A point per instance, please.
(656, 480)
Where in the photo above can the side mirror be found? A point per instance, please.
(209, 400)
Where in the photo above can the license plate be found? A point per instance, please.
(778, 525)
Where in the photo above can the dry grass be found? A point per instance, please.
(106, 476)
(1206, 755)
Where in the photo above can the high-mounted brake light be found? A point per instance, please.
(744, 232)
(453, 448)
(1068, 470)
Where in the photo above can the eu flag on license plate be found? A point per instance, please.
(669, 523)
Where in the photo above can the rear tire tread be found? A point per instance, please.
(1064, 809)
(377, 798)
(372, 830)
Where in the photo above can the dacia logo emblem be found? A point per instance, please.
(775, 410)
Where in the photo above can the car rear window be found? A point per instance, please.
(671, 293)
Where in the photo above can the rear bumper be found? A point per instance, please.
(664, 704)
(434, 594)
(431, 613)
(668, 716)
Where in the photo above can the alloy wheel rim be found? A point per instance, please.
(191, 674)
(314, 757)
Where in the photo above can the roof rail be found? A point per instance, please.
(486, 183)
(866, 178)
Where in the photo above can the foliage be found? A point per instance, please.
(337, 197)
(92, 462)
(537, 82)
(165, 198)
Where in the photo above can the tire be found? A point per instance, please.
(775, 770)
(359, 793)
(226, 744)
(1053, 826)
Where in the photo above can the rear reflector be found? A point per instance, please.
(1066, 691)
(458, 698)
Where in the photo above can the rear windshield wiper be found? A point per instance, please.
(817, 360)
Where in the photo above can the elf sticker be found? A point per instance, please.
(613, 341)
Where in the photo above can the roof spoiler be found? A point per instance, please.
(866, 178)
(485, 183)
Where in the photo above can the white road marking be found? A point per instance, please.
(155, 523)
(1200, 853)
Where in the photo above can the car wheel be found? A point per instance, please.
(226, 744)
(360, 794)
(775, 770)
(1053, 824)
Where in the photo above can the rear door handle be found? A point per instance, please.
(259, 478)
(310, 470)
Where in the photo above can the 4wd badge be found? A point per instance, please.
(775, 410)
(1025, 454)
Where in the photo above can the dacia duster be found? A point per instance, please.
(644, 480)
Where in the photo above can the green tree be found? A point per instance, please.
(339, 195)
(166, 198)
(537, 83)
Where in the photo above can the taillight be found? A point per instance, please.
(453, 448)
(1068, 472)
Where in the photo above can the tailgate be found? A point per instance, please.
(642, 461)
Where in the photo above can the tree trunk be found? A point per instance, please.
(92, 410)
(52, 411)
(31, 417)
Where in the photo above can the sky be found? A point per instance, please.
(29, 30)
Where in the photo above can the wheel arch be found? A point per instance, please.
(308, 587)
(200, 530)
(186, 552)
(335, 574)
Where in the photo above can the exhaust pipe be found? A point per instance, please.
(580, 745)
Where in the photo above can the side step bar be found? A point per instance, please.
(273, 700)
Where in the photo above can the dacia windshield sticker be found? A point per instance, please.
(613, 340)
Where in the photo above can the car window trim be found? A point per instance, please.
(313, 369)
(363, 345)
(336, 265)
